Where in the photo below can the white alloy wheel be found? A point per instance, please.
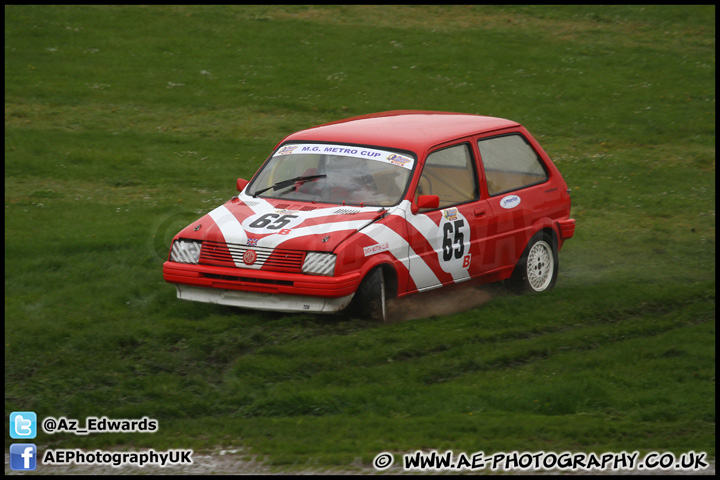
(540, 266)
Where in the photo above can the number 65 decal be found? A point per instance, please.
(453, 252)
(271, 223)
(453, 245)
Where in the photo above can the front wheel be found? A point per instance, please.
(537, 269)
(370, 301)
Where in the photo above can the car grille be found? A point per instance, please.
(227, 254)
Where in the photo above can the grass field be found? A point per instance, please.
(124, 124)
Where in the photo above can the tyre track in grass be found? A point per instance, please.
(564, 339)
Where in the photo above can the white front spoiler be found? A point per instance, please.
(263, 301)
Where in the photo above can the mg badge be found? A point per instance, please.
(249, 257)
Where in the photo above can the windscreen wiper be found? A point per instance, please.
(291, 181)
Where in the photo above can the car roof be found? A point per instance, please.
(415, 130)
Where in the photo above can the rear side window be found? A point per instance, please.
(510, 163)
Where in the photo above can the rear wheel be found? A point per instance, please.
(370, 301)
(537, 269)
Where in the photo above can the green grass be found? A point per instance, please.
(123, 124)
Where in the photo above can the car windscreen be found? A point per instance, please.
(331, 173)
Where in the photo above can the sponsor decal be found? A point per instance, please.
(450, 214)
(287, 150)
(249, 257)
(283, 211)
(399, 160)
(377, 248)
(510, 201)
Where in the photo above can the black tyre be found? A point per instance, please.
(370, 301)
(537, 269)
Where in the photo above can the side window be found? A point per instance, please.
(450, 174)
(510, 163)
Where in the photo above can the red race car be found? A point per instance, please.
(354, 212)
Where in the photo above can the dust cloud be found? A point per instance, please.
(441, 301)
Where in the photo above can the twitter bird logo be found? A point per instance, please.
(23, 425)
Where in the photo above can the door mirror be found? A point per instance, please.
(241, 184)
(426, 201)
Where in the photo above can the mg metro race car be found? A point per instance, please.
(354, 212)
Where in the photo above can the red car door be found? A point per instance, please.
(447, 242)
(516, 180)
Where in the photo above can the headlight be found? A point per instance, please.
(185, 251)
(317, 263)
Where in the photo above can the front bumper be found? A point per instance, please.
(263, 301)
(261, 290)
